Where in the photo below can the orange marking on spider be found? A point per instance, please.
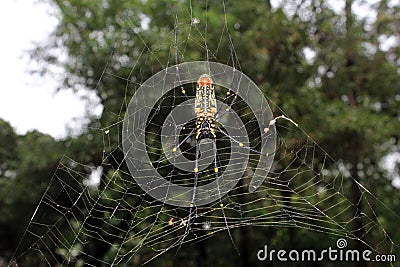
(204, 80)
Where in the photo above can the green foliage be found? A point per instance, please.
(27, 164)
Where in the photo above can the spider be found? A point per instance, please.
(205, 108)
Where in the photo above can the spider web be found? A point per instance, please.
(306, 189)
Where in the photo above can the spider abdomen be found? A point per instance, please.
(205, 126)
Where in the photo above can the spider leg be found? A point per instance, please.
(196, 172)
(227, 96)
(175, 148)
(219, 194)
(176, 31)
(239, 143)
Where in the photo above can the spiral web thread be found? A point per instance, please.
(306, 189)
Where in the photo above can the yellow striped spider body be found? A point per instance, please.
(205, 108)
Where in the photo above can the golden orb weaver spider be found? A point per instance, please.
(205, 108)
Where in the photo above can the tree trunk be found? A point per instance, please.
(354, 148)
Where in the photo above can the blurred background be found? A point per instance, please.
(334, 66)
